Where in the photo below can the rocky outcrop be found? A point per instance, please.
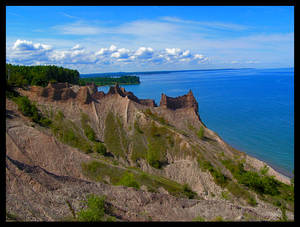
(122, 92)
(84, 96)
(185, 101)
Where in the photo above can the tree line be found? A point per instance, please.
(20, 76)
(100, 81)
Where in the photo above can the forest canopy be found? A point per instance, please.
(101, 81)
(20, 76)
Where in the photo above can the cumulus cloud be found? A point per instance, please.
(144, 53)
(23, 51)
(24, 45)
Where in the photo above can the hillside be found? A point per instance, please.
(151, 162)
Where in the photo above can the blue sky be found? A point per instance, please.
(142, 38)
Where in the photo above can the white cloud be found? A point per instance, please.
(29, 53)
(144, 53)
(23, 45)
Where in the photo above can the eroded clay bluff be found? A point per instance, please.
(44, 174)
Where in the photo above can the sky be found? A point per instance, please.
(97, 39)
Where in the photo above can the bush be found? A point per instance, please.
(259, 183)
(128, 180)
(30, 110)
(100, 148)
(200, 133)
(89, 133)
(153, 157)
(95, 209)
(188, 192)
(252, 201)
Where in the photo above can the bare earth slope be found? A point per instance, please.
(44, 176)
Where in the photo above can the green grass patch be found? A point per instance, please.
(128, 180)
(219, 178)
(94, 211)
(30, 110)
(97, 171)
(267, 187)
(67, 132)
(200, 132)
(155, 117)
(115, 136)
(88, 131)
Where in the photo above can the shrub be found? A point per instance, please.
(137, 127)
(95, 209)
(100, 148)
(200, 133)
(187, 191)
(129, 181)
(153, 157)
(89, 133)
(30, 110)
(264, 170)
(252, 201)
(199, 219)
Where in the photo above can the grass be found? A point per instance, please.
(30, 110)
(88, 131)
(267, 187)
(128, 180)
(115, 136)
(98, 171)
(94, 211)
(200, 132)
(199, 219)
(225, 195)
(67, 132)
(219, 178)
(155, 117)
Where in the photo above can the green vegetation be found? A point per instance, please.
(267, 187)
(264, 170)
(21, 76)
(88, 131)
(128, 180)
(225, 195)
(200, 133)
(99, 171)
(95, 210)
(101, 81)
(226, 182)
(188, 192)
(259, 183)
(218, 219)
(157, 144)
(30, 110)
(155, 117)
(115, 136)
(199, 219)
(219, 178)
(67, 132)
(12, 217)
(100, 148)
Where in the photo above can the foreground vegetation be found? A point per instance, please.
(133, 177)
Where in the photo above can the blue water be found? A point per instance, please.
(251, 109)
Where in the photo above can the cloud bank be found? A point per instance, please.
(29, 53)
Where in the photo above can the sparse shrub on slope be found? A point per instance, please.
(129, 181)
(30, 110)
(95, 210)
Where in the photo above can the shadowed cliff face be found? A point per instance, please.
(185, 101)
(43, 171)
